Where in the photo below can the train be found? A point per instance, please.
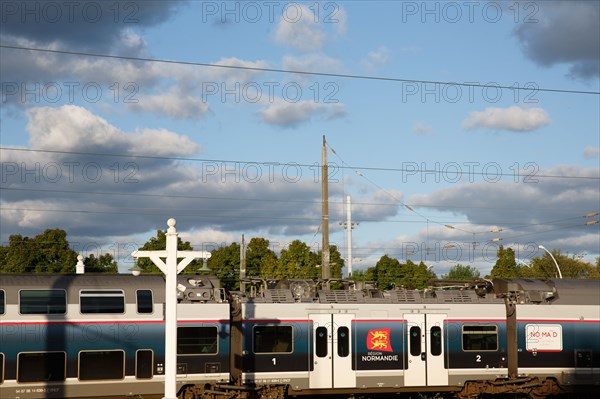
(103, 336)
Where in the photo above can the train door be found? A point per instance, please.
(332, 358)
(425, 350)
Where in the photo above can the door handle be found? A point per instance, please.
(423, 356)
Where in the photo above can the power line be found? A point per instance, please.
(302, 165)
(289, 71)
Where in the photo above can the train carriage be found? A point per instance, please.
(103, 335)
(78, 336)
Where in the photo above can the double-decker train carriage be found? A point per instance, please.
(103, 336)
(77, 336)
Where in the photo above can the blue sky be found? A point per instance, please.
(109, 149)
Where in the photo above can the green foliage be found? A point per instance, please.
(390, 273)
(259, 257)
(48, 252)
(102, 264)
(225, 264)
(460, 272)
(159, 243)
(506, 265)
(298, 261)
(570, 267)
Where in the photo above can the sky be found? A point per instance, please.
(453, 126)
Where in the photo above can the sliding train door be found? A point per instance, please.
(332, 358)
(425, 345)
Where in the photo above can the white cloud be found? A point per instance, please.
(564, 32)
(591, 152)
(74, 128)
(301, 30)
(421, 128)
(288, 114)
(378, 58)
(311, 62)
(71, 127)
(516, 119)
(173, 103)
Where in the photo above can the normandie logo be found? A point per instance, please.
(379, 340)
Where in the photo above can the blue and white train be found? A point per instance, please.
(102, 336)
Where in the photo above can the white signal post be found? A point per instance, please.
(171, 269)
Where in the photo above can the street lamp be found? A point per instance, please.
(171, 267)
(552, 256)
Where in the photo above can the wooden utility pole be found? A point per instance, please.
(324, 212)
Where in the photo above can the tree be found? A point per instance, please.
(259, 257)
(102, 264)
(416, 276)
(570, 267)
(506, 265)
(48, 252)
(387, 272)
(298, 261)
(460, 272)
(225, 263)
(159, 243)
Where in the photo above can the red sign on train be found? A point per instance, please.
(379, 340)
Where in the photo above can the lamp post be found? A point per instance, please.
(170, 269)
(552, 256)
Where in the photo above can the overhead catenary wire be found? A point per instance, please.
(288, 71)
(279, 163)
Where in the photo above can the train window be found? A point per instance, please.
(144, 301)
(272, 339)
(197, 340)
(41, 366)
(42, 301)
(101, 365)
(144, 360)
(102, 301)
(479, 338)
(321, 341)
(436, 341)
(343, 344)
(415, 341)
(1, 368)
(1, 301)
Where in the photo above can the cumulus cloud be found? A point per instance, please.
(564, 32)
(376, 59)
(84, 24)
(500, 212)
(301, 29)
(591, 152)
(516, 119)
(74, 128)
(288, 114)
(174, 103)
(311, 62)
(421, 128)
(95, 180)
